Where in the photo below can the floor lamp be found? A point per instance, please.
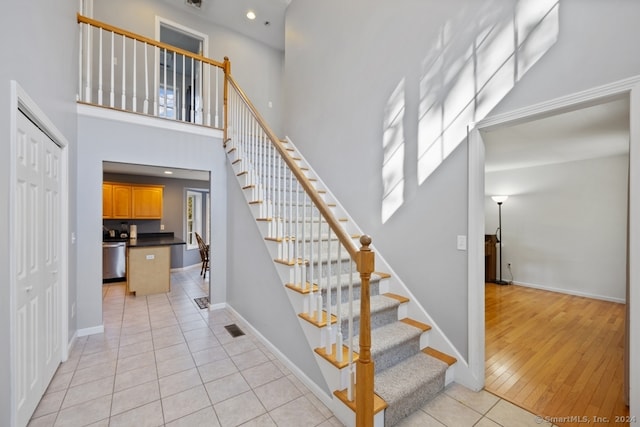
(499, 200)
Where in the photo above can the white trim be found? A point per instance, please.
(21, 101)
(475, 239)
(627, 87)
(569, 292)
(90, 331)
(317, 391)
(143, 120)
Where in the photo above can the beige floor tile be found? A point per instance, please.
(218, 369)
(85, 413)
(202, 333)
(508, 414)
(172, 366)
(184, 403)
(134, 397)
(264, 420)
(149, 415)
(50, 403)
(239, 345)
(198, 344)
(450, 412)
(203, 418)
(60, 381)
(209, 355)
(88, 391)
(181, 381)
(132, 339)
(193, 325)
(297, 413)
(135, 348)
(239, 409)
(172, 352)
(262, 374)
(249, 359)
(135, 377)
(167, 330)
(277, 393)
(420, 419)
(168, 340)
(137, 361)
(45, 421)
(93, 373)
(226, 387)
(94, 359)
(486, 422)
(331, 422)
(480, 401)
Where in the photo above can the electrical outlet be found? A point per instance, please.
(161, 227)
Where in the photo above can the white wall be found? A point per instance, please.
(351, 67)
(565, 225)
(101, 140)
(38, 42)
(257, 67)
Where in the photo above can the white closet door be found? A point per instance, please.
(37, 255)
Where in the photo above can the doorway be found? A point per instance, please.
(180, 78)
(627, 89)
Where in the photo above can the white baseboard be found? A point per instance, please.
(187, 267)
(570, 292)
(219, 306)
(90, 331)
(317, 391)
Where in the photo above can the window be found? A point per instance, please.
(166, 103)
(193, 218)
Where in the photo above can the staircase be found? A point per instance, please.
(324, 288)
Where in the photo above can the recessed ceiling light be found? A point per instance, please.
(168, 172)
(251, 15)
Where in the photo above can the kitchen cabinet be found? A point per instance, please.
(131, 201)
(148, 269)
(147, 202)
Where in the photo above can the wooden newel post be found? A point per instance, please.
(225, 105)
(365, 366)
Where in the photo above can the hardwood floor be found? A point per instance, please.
(556, 355)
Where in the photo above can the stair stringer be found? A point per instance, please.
(461, 371)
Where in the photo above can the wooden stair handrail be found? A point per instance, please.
(324, 209)
(84, 20)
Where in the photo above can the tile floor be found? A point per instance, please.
(162, 361)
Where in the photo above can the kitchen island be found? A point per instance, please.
(149, 263)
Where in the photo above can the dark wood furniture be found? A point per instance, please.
(490, 253)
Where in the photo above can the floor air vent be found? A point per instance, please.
(234, 330)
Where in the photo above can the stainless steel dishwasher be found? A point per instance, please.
(114, 262)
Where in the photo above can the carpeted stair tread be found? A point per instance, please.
(378, 303)
(389, 336)
(409, 384)
(392, 343)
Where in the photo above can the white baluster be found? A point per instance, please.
(352, 367)
(100, 59)
(216, 98)
(124, 73)
(184, 89)
(312, 297)
(134, 100)
(156, 74)
(319, 302)
(328, 349)
(80, 60)
(87, 92)
(192, 116)
(175, 92)
(145, 105)
(112, 93)
(208, 85)
(339, 337)
(164, 82)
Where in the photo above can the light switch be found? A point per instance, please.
(151, 256)
(462, 243)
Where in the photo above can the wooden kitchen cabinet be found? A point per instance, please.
(121, 201)
(147, 202)
(129, 201)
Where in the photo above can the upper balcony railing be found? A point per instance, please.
(125, 71)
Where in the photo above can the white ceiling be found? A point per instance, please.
(147, 170)
(587, 133)
(232, 14)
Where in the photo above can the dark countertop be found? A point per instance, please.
(149, 239)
